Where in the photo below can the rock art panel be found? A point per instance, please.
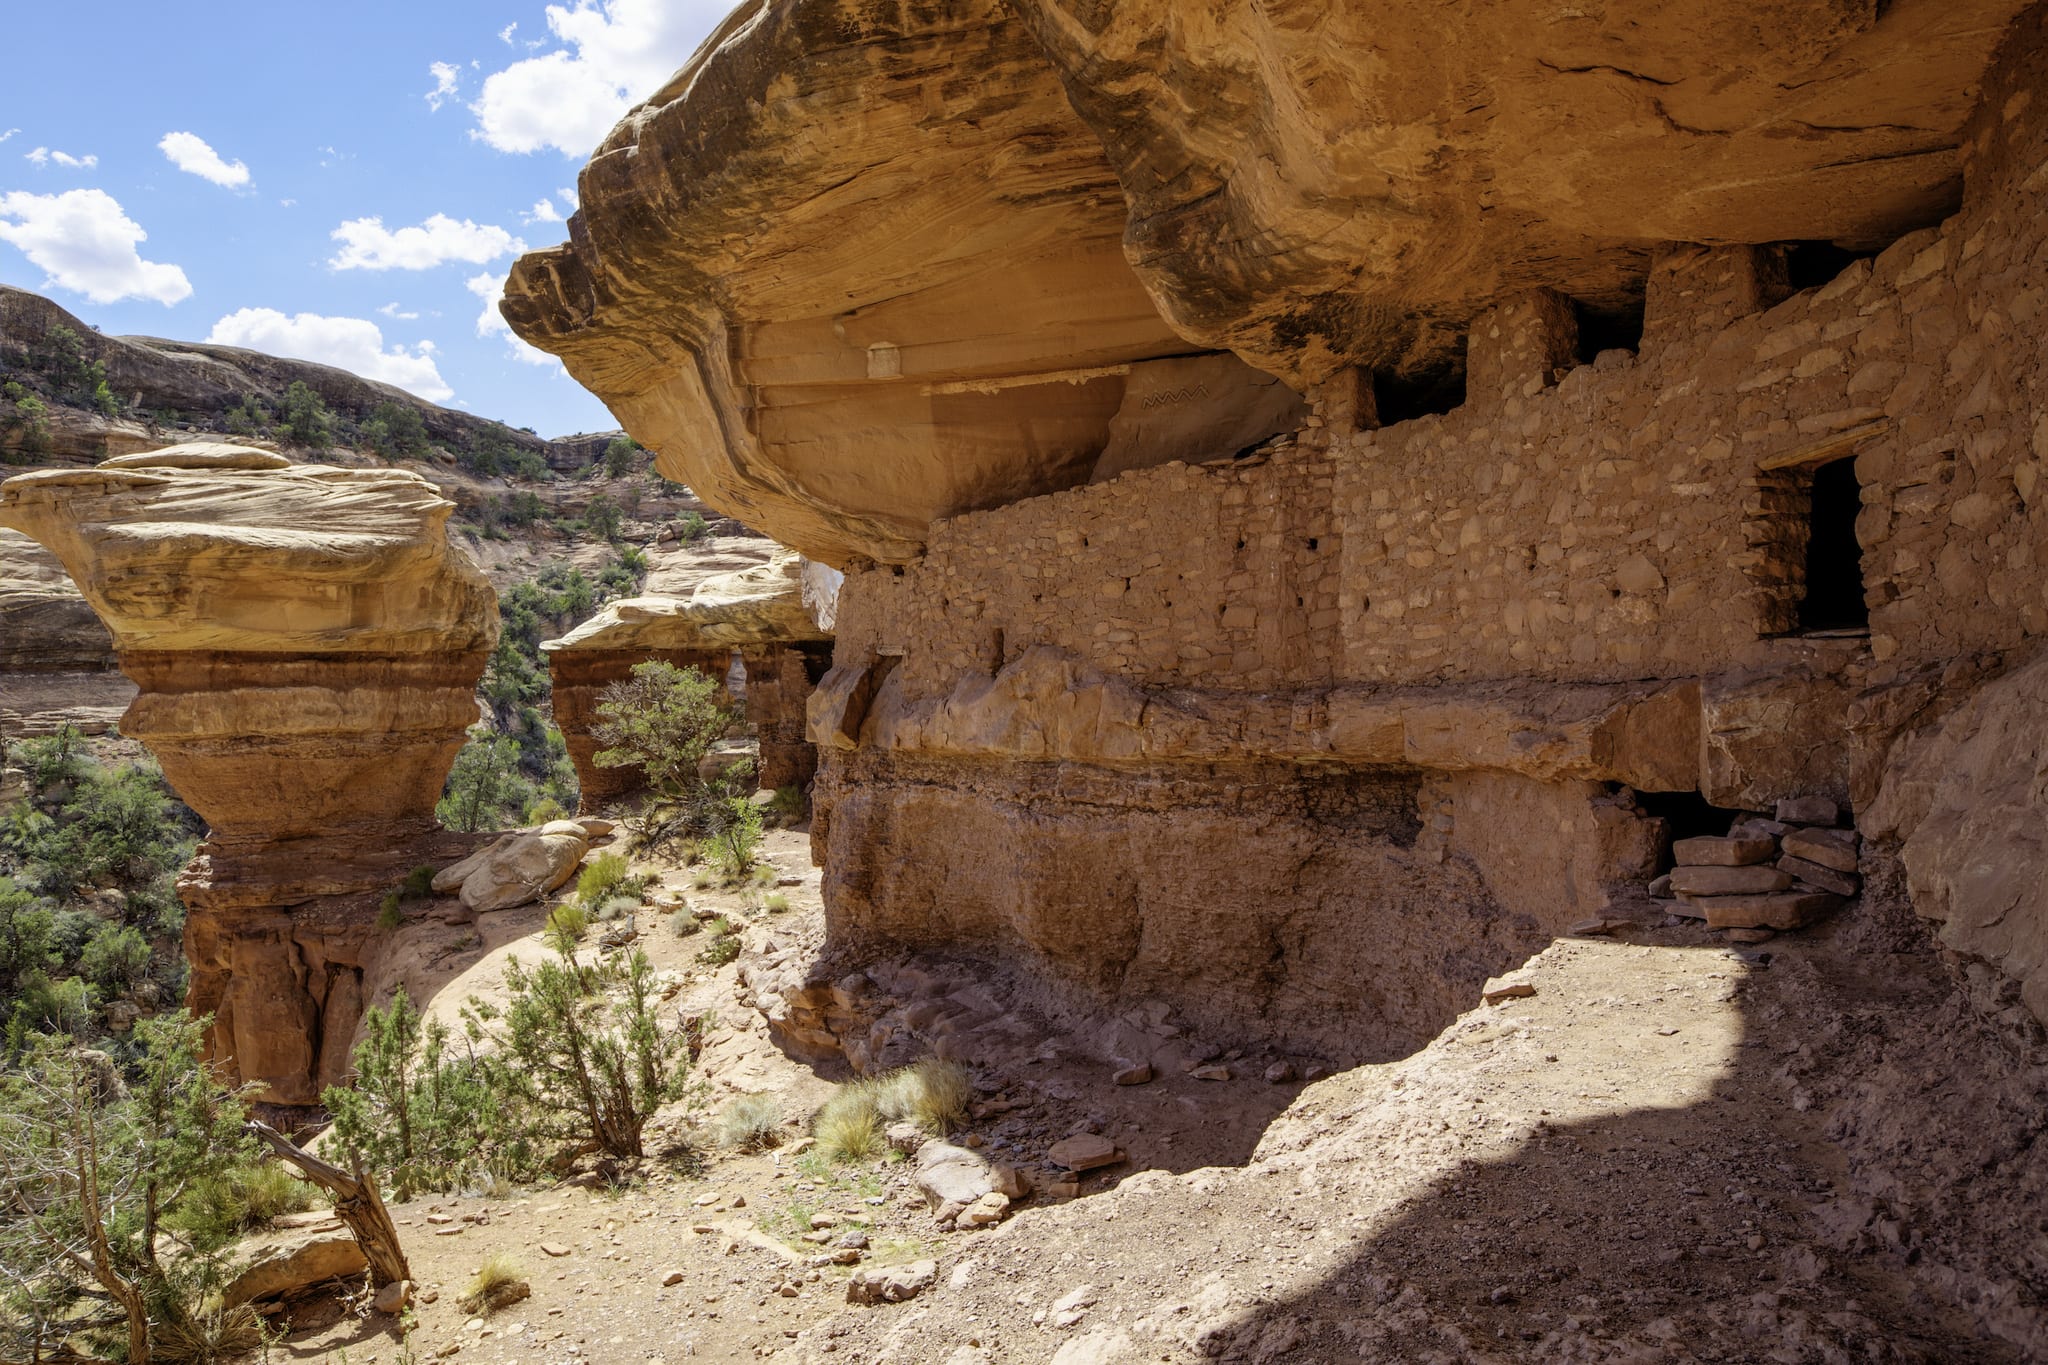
(306, 642)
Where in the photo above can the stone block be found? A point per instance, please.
(1723, 852)
(1728, 881)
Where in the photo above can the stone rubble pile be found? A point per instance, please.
(1765, 875)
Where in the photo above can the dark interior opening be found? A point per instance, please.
(1834, 560)
(1608, 329)
(1688, 815)
(1809, 265)
(817, 656)
(1402, 398)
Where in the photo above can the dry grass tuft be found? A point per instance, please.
(498, 1283)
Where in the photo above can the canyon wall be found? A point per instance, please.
(1668, 447)
(306, 642)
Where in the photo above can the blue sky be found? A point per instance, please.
(346, 183)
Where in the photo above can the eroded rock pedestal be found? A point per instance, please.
(307, 643)
(757, 616)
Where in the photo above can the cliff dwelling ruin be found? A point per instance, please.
(1293, 512)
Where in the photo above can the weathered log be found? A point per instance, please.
(356, 1202)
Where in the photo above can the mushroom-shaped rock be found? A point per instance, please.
(763, 613)
(307, 643)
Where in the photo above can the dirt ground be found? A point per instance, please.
(1674, 1150)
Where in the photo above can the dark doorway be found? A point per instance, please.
(1834, 560)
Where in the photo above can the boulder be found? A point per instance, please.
(951, 1175)
(524, 868)
(276, 1267)
(891, 1284)
(1084, 1152)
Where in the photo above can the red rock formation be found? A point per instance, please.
(759, 615)
(307, 642)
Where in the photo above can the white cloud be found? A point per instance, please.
(392, 310)
(366, 244)
(86, 243)
(491, 323)
(505, 33)
(447, 78)
(190, 153)
(8, 134)
(43, 156)
(353, 344)
(544, 211)
(617, 52)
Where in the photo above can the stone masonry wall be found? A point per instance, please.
(1638, 516)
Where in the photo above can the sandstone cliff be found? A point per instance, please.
(57, 663)
(307, 642)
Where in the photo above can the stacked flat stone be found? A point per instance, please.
(1782, 873)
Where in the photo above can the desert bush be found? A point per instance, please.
(498, 1283)
(391, 913)
(89, 1164)
(621, 457)
(609, 875)
(582, 1050)
(663, 720)
(422, 1112)
(618, 907)
(724, 944)
(750, 1123)
(419, 883)
(687, 926)
(206, 1333)
(775, 903)
(304, 418)
(221, 1208)
(849, 1125)
(567, 923)
(692, 528)
(114, 959)
(932, 1093)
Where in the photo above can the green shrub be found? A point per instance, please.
(750, 1123)
(621, 457)
(692, 528)
(419, 883)
(306, 420)
(391, 914)
(607, 876)
(582, 1048)
(775, 903)
(724, 945)
(114, 959)
(618, 907)
(567, 923)
(734, 839)
(223, 1207)
(422, 1114)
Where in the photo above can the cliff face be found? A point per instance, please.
(57, 663)
(306, 642)
(756, 615)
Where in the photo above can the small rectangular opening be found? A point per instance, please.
(1833, 600)
(1608, 329)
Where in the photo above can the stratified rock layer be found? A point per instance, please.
(307, 642)
(57, 663)
(759, 615)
